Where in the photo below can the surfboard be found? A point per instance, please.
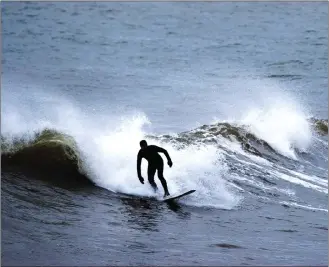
(171, 198)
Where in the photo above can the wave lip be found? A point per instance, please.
(49, 152)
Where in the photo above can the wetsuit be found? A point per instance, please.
(155, 163)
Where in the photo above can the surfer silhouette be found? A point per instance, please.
(155, 163)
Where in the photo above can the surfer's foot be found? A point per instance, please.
(166, 194)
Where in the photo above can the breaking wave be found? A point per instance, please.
(262, 151)
(50, 150)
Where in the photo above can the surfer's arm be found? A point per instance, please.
(161, 150)
(139, 162)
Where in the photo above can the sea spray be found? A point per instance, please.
(271, 112)
(282, 126)
(111, 156)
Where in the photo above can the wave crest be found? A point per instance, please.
(49, 151)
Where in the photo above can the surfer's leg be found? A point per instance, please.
(150, 173)
(162, 179)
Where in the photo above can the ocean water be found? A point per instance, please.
(237, 93)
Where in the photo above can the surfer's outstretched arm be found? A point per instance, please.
(139, 161)
(161, 150)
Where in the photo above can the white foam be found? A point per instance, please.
(282, 126)
(311, 178)
(202, 168)
(111, 160)
(272, 114)
(264, 187)
(295, 180)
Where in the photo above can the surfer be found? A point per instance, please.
(155, 163)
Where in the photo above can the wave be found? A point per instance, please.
(49, 151)
(249, 141)
(52, 151)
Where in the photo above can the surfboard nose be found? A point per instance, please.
(170, 198)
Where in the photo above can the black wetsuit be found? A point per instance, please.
(155, 163)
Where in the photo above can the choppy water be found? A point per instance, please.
(237, 94)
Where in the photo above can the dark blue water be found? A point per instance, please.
(103, 76)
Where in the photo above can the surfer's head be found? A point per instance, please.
(143, 144)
